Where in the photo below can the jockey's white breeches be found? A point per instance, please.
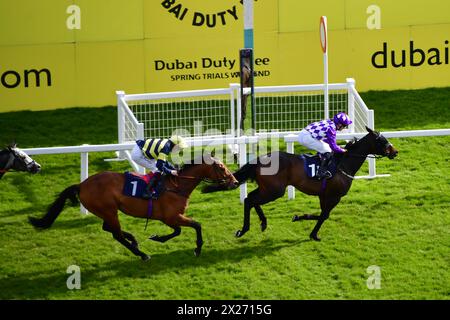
(305, 139)
(138, 156)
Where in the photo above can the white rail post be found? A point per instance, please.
(84, 173)
(236, 116)
(242, 162)
(351, 103)
(291, 189)
(139, 135)
(120, 115)
(120, 120)
(371, 125)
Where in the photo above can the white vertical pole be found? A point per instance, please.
(242, 162)
(248, 24)
(372, 167)
(236, 116)
(84, 174)
(120, 121)
(351, 103)
(232, 114)
(238, 107)
(324, 44)
(291, 190)
(120, 116)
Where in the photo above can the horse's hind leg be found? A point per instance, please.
(130, 237)
(127, 235)
(176, 232)
(113, 226)
(305, 217)
(262, 217)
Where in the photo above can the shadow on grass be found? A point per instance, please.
(53, 283)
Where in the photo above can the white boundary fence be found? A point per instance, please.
(242, 141)
(275, 106)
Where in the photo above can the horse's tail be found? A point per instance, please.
(248, 171)
(56, 207)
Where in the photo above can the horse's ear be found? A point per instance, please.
(12, 145)
(369, 130)
(213, 153)
(206, 156)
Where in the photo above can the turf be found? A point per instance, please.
(400, 224)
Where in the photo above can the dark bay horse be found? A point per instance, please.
(291, 172)
(12, 158)
(102, 195)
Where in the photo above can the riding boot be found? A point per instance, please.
(149, 192)
(323, 167)
(156, 190)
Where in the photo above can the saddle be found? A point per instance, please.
(312, 163)
(135, 184)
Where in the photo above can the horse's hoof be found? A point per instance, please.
(154, 237)
(263, 226)
(295, 218)
(197, 252)
(239, 234)
(145, 258)
(314, 237)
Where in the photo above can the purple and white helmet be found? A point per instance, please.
(342, 118)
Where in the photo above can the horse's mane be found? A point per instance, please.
(351, 143)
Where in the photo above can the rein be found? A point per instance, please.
(172, 178)
(370, 156)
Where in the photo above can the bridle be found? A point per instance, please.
(217, 172)
(373, 156)
(370, 156)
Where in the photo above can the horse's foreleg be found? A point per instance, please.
(198, 229)
(176, 232)
(326, 204)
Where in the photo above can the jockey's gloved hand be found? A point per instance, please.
(174, 172)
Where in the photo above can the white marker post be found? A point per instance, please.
(324, 45)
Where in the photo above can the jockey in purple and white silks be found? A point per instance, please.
(321, 137)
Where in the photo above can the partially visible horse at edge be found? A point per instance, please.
(12, 158)
(291, 172)
(101, 194)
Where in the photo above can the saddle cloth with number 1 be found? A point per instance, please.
(312, 164)
(135, 183)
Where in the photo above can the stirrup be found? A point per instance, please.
(154, 196)
(146, 196)
(324, 175)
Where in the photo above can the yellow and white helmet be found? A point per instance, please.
(178, 140)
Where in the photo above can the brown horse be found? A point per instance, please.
(291, 172)
(102, 195)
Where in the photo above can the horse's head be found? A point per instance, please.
(16, 159)
(219, 172)
(380, 145)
